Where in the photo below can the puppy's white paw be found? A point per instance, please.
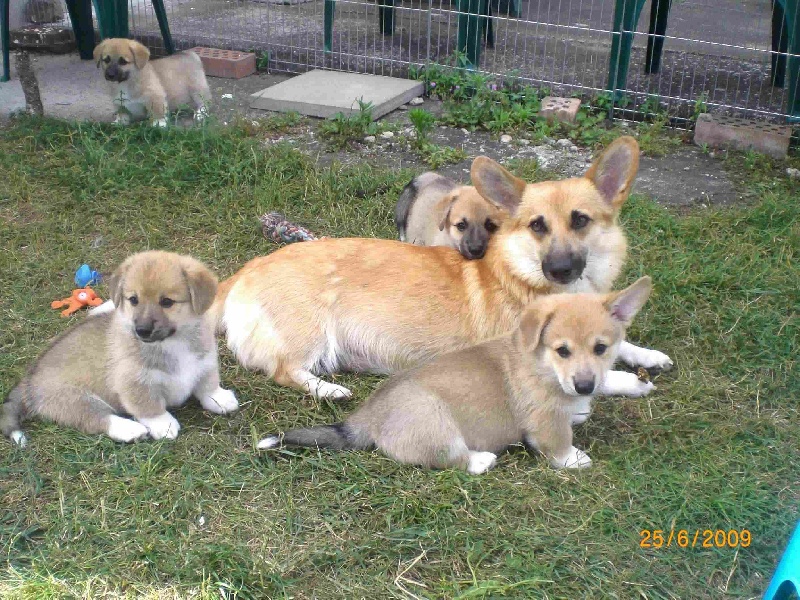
(122, 119)
(573, 459)
(331, 390)
(125, 430)
(159, 123)
(622, 383)
(480, 462)
(162, 426)
(635, 356)
(268, 442)
(19, 438)
(105, 307)
(579, 418)
(201, 114)
(220, 401)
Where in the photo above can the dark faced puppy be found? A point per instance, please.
(469, 220)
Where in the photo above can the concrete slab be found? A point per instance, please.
(325, 93)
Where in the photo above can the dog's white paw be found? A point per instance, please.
(573, 459)
(622, 383)
(162, 426)
(644, 357)
(323, 389)
(125, 430)
(579, 418)
(220, 401)
(105, 307)
(480, 462)
(159, 123)
(122, 119)
(201, 114)
(268, 442)
(18, 437)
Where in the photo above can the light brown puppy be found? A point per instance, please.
(463, 408)
(380, 305)
(436, 211)
(141, 87)
(148, 355)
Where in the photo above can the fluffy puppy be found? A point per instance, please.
(433, 210)
(141, 87)
(117, 373)
(531, 386)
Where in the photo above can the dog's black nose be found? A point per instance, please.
(584, 386)
(476, 251)
(563, 269)
(144, 332)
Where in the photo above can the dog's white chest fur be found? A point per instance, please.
(184, 369)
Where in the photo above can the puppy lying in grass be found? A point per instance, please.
(463, 408)
(117, 372)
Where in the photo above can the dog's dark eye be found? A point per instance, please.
(563, 352)
(461, 225)
(490, 226)
(133, 300)
(166, 302)
(122, 61)
(600, 349)
(538, 225)
(579, 220)
(107, 59)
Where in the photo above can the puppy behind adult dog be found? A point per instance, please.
(380, 305)
(436, 211)
(148, 355)
(141, 87)
(463, 408)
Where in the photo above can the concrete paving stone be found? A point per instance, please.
(325, 93)
(720, 131)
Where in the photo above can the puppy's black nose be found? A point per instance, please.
(476, 251)
(584, 386)
(144, 332)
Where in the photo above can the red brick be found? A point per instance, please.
(226, 63)
(560, 109)
(719, 131)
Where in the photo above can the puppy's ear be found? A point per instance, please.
(446, 213)
(98, 52)
(624, 305)
(532, 326)
(116, 283)
(496, 184)
(202, 284)
(140, 54)
(614, 171)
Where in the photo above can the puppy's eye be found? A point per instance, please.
(579, 220)
(166, 302)
(563, 352)
(107, 59)
(462, 225)
(600, 349)
(490, 226)
(122, 61)
(133, 300)
(538, 225)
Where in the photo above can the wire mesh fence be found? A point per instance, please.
(717, 54)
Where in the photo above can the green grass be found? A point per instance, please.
(83, 517)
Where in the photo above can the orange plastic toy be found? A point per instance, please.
(80, 298)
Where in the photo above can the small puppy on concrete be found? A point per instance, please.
(463, 408)
(436, 211)
(140, 87)
(150, 354)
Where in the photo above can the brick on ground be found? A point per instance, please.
(560, 109)
(226, 63)
(720, 131)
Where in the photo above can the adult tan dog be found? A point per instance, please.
(151, 353)
(433, 210)
(140, 87)
(380, 305)
(464, 407)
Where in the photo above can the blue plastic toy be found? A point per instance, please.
(84, 277)
(787, 575)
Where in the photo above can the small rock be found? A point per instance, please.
(549, 141)
(687, 168)
(465, 131)
(97, 242)
(403, 107)
(412, 135)
(564, 144)
(227, 96)
(370, 139)
(524, 142)
(624, 124)
(387, 135)
(505, 139)
(793, 173)
(416, 101)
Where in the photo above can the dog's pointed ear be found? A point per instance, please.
(615, 169)
(446, 212)
(98, 52)
(624, 305)
(532, 325)
(202, 284)
(116, 283)
(140, 54)
(496, 184)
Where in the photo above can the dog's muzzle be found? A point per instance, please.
(150, 335)
(564, 268)
(114, 73)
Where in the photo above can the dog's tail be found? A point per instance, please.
(403, 207)
(339, 436)
(11, 414)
